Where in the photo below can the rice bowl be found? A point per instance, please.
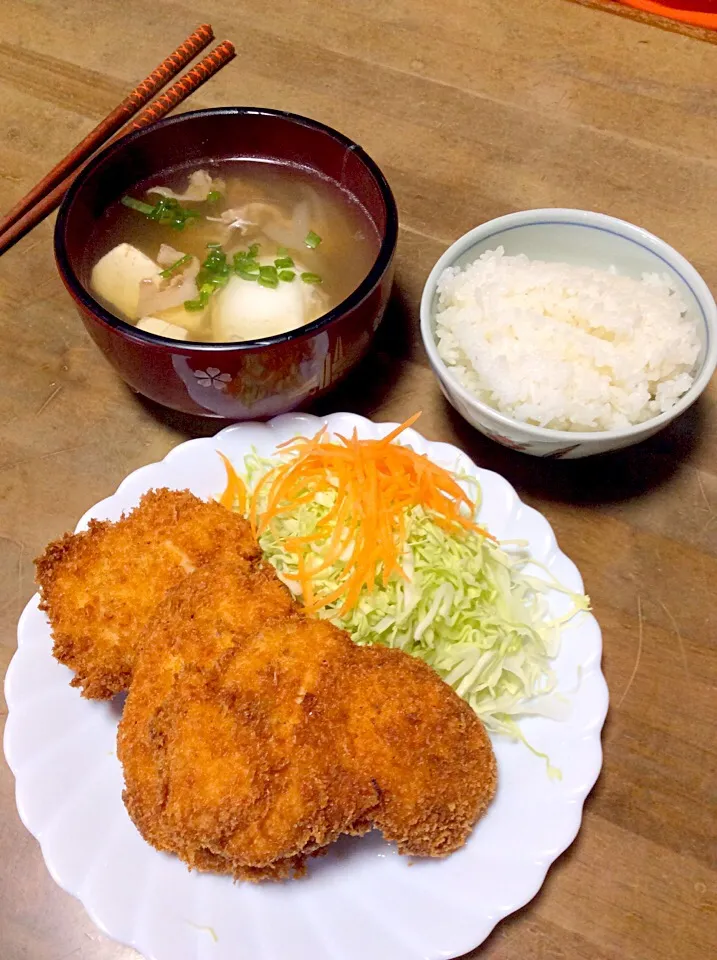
(565, 347)
(584, 239)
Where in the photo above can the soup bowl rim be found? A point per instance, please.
(388, 236)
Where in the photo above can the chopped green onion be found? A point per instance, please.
(284, 262)
(246, 256)
(175, 266)
(213, 196)
(193, 305)
(167, 211)
(213, 274)
(282, 252)
(139, 205)
(286, 275)
(268, 277)
(214, 266)
(311, 278)
(312, 239)
(242, 259)
(245, 274)
(215, 257)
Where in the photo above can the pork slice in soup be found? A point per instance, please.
(239, 251)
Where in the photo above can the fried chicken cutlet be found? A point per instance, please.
(99, 587)
(253, 736)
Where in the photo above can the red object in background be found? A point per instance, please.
(701, 13)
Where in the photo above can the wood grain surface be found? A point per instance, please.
(473, 109)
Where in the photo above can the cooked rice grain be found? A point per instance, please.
(565, 347)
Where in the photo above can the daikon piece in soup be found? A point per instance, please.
(239, 250)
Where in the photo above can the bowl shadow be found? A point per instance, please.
(188, 425)
(370, 383)
(619, 475)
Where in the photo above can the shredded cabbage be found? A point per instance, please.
(465, 606)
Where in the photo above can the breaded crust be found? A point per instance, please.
(425, 749)
(100, 587)
(223, 764)
(253, 736)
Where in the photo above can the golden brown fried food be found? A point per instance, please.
(224, 764)
(100, 587)
(423, 747)
(254, 736)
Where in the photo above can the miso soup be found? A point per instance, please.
(237, 250)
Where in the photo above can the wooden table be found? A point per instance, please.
(473, 109)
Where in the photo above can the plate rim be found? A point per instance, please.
(574, 803)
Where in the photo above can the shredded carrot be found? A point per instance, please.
(235, 495)
(375, 482)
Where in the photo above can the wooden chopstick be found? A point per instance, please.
(174, 95)
(141, 95)
(191, 81)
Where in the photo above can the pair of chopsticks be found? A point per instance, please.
(48, 193)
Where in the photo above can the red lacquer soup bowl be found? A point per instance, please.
(253, 378)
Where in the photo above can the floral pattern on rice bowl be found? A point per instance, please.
(212, 377)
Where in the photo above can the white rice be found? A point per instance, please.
(565, 347)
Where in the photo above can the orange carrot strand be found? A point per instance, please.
(235, 495)
(399, 429)
(374, 484)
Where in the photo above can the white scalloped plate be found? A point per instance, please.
(362, 899)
